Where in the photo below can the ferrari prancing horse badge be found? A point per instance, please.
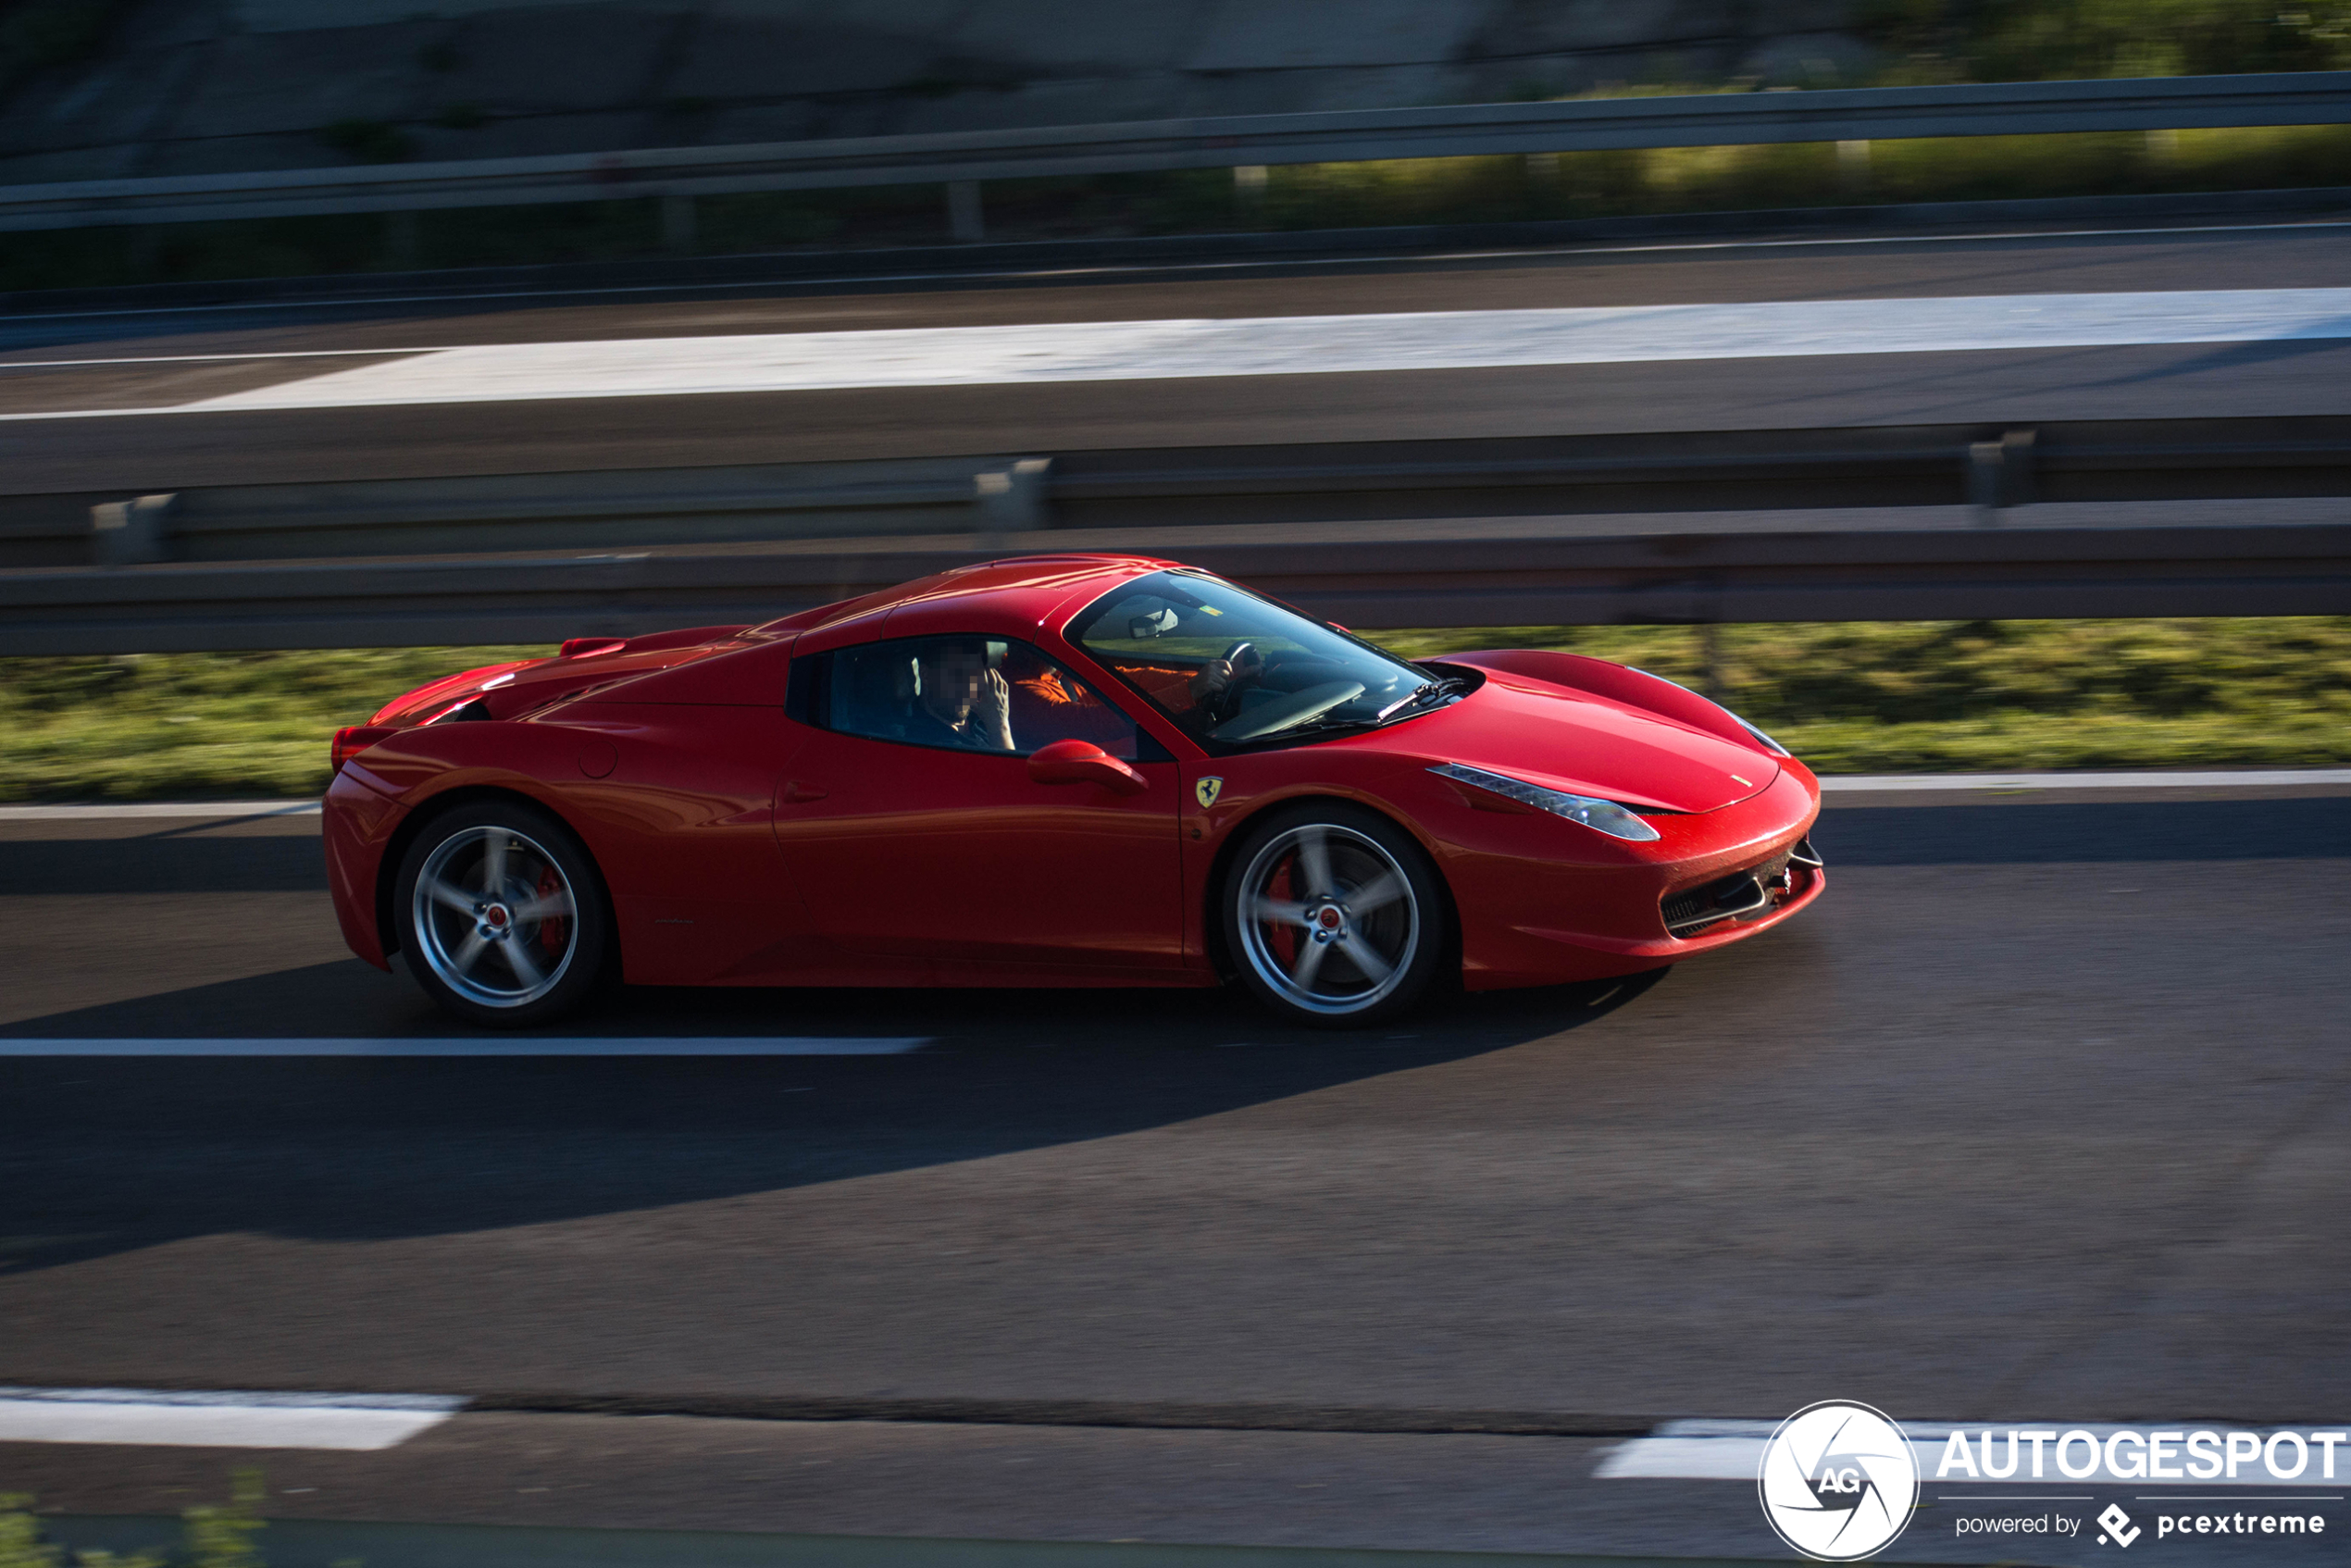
(1208, 789)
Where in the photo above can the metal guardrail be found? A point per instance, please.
(1897, 523)
(1172, 488)
(1708, 119)
(593, 510)
(1478, 573)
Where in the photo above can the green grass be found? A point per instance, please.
(1926, 696)
(186, 726)
(211, 1535)
(1660, 180)
(1849, 698)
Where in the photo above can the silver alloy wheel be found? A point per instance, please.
(495, 918)
(1328, 919)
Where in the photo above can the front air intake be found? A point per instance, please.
(1693, 910)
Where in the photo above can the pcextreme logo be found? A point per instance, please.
(1838, 1481)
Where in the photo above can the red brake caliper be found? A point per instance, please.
(1285, 938)
(551, 931)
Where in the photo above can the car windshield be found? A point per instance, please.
(1232, 668)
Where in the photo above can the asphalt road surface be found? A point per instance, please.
(143, 359)
(2043, 1114)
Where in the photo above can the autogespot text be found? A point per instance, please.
(2126, 1453)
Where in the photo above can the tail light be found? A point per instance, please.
(352, 739)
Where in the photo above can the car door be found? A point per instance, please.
(916, 835)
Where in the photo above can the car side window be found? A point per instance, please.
(967, 693)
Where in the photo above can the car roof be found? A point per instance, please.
(1012, 595)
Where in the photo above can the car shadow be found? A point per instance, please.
(163, 864)
(110, 1154)
(100, 1155)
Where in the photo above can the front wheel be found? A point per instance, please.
(1333, 916)
(503, 919)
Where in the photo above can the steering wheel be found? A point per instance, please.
(1265, 718)
(1249, 668)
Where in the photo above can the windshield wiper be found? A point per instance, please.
(1449, 686)
(1444, 686)
(1318, 727)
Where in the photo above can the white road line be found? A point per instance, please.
(186, 810)
(1733, 1451)
(1685, 1459)
(218, 1420)
(1288, 346)
(217, 358)
(2250, 778)
(1147, 268)
(519, 1045)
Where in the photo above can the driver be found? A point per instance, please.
(1240, 665)
(962, 702)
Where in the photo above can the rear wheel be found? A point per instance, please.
(503, 919)
(1333, 916)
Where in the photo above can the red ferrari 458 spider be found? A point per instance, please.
(1065, 770)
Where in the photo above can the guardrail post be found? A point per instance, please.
(1853, 167)
(1543, 178)
(131, 533)
(1012, 500)
(964, 218)
(1709, 645)
(1999, 474)
(678, 224)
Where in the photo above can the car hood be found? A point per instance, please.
(1588, 745)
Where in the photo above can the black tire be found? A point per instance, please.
(1377, 960)
(534, 941)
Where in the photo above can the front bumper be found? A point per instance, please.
(1526, 923)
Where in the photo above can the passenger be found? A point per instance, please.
(962, 702)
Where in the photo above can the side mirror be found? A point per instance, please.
(1082, 762)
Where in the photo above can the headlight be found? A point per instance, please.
(1605, 816)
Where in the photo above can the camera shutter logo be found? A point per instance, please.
(1838, 1481)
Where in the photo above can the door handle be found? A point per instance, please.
(796, 794)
